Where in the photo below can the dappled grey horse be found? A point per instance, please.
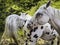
(46, 13)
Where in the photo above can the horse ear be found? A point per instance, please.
(47, 5)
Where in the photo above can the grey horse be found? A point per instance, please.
(46, 13)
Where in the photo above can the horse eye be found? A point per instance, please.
(39, 14)
(47, 33)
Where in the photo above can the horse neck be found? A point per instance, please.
(56, 12)
(55, 19)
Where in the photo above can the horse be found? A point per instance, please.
(45, 14)
(41, 31)
(14, 22)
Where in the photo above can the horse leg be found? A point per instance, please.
(15, 40)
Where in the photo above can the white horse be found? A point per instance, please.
(13, 23)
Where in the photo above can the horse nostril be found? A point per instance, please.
(47, 33)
